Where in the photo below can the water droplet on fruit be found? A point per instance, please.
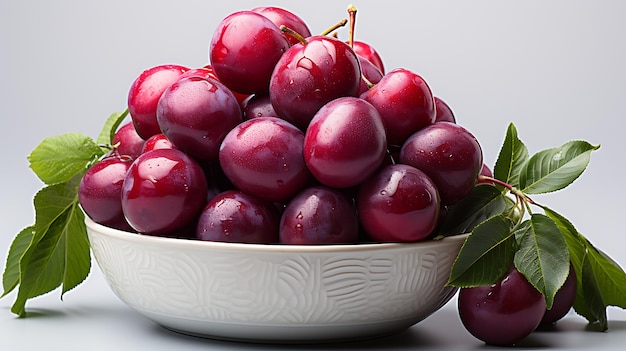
(383, 192)
(299, 216)
(299, 227)
(394, 182)
(305, 63)
(285, 167)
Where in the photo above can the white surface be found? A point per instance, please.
(93, 318)
(555, 69)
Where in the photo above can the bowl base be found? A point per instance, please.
(283, 334)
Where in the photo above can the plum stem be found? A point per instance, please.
(294, 34)
(367, 81)
(352, 14)
(516, 192)
(485, 178)
(337, 25)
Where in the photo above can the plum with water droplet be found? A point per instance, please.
(319, 215)
(237, 217)
(163, 191)
(502, 313)
(263, 156)
(449, 154)
(345, 142)
(400, 203)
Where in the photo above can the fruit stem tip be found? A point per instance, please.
(339, 24)
(293, 33)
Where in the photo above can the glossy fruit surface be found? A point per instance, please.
(345, 142)
(370, 74)
(280, 17)
(196, 114)
(100, 191)
(128, 143)
(369, 53)
(202, 72)
(233, 216)
(309, 75)
(443, 111)
(503, 313)
(449, 154)
(144, 94)
(163, 191)
(258, 106)
(207, 72)
(263, 157)
(244, 50)
(398, 204)
(157, 141)
(317, 216)
(405, 103)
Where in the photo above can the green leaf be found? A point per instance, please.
(575, 242)
(577, 253)
(601, 282)
(484, 202)
(52, 201)
(110, 126)
(55, 250)
(604, 277)
(543, 256)
(11, 275)
(592, 295)
(610, 275)
(486, 255)
(513, 155)
(57, 159)
(554, 169)
(77, 250)
(58, 242)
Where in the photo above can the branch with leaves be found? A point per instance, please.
(54, 252)
(504, 230)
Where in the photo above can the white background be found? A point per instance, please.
(554, 68)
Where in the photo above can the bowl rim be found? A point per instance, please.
(263, 248)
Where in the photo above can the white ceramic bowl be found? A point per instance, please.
(276, 293)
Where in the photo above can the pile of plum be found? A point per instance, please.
(292, 138)
(285, 137)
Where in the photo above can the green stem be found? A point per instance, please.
(294, 34)
(337, 25)
(367, 81)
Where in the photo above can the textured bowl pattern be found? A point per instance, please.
(274, 292)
